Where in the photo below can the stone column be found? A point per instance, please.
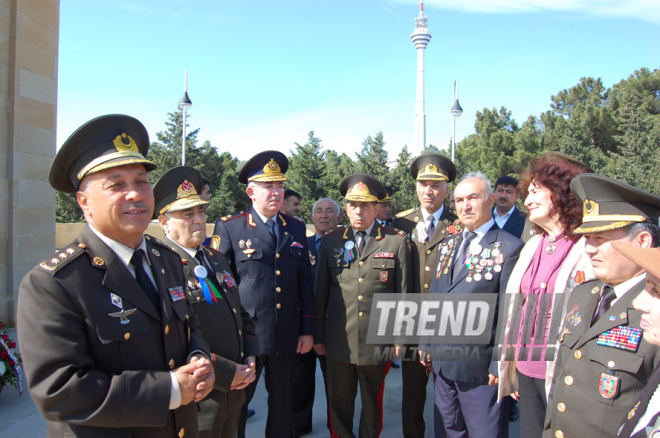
(29, 36)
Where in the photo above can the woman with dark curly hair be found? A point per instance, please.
(552, 262)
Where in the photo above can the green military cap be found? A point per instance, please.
(609, 204)
(178, 189)
(361, 187)
(433, 167)
(388, 196)
(102, 143)
(266, 166)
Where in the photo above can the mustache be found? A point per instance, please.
(135, 205)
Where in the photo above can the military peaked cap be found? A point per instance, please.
(433, 167)
(361, 187)
(178, 189)
(265, 166)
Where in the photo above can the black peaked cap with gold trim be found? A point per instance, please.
(102, 143)
(266, 166)
(609, 204)
(433, 167)
(178, 189)
(388, 196)
(362, 187)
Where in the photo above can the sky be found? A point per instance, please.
(263, 74)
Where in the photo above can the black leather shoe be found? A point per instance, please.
(250, 413)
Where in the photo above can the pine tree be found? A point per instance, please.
(307, 171)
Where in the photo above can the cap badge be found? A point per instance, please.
(591, 208)
(360, 189)
(185, 189)
(120, 143)
(431, 168)
(272, 168)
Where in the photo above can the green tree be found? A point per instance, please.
(404, 194)
(372, 159)
(67, 210)
(307, 171)
(337, 168)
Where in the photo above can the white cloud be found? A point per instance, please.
(646, 10)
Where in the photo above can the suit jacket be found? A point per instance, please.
(226, 327)
(344, 290)
(639, 409)
(474, 370)
(274, 279)
(575, 269)
(90, 372)
(425, 253)
(576, 405)
(516, 223)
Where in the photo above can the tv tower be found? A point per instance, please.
(420, 38)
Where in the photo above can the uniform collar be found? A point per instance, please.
(436, 215)
(123, 252)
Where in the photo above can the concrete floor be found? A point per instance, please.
(19, 416)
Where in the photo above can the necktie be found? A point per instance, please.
(430, 227)
(458, 262)
(605, 303)
(143, 279)
(199, 256)
(361, 237)
(271, 227)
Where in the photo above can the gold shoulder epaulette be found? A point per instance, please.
(62, 257)
(405, 213)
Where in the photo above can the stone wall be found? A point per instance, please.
(29, 37)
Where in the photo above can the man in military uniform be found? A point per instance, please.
(479, 260)
(353, 264)
(603, 361)
(384, 216)
(427, 226)
(268, 252)
(105, 329)
(214, 296)
(325, 217)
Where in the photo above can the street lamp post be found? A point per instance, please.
(456, 111)
(184, 104)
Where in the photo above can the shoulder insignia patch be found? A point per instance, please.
(233, 216)
(63, 257)
(215, 242)
(405, 213)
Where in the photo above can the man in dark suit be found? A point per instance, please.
(479, 260)
(325, 217)
(353, 264)
(506, 214)
(427, 225)
(106, 332)
(268, 252)
(213, 294)
(604, 361)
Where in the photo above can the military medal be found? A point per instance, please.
(116, 300)
(421, 232)
(248, 243)
(497, 251)
(469, 277)
(312, 258)
(200, 271)
(241, 244)
(477, 277)
(488, 275)
(348, 254)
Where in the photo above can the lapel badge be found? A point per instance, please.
(241, 244)
(623, 315)
(383, 276)
(248, 243)
(632, 411)
(595, 290)
(98, 261)
(200, 271)
(123, 315)
(312, 258)
(116, 300)
(191, 285)
(608, 386)
(612, 318)
(176, 293)
(155, 252)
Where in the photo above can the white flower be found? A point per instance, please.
(3, 368)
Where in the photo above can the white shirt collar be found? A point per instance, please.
(621, 289)
(124, 252)
(481, 231)
(368, 231)
(264, 218)
(505, 216)
(436, 215)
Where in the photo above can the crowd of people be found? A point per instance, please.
(123, 334)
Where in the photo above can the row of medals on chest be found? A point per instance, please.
(476, 262)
